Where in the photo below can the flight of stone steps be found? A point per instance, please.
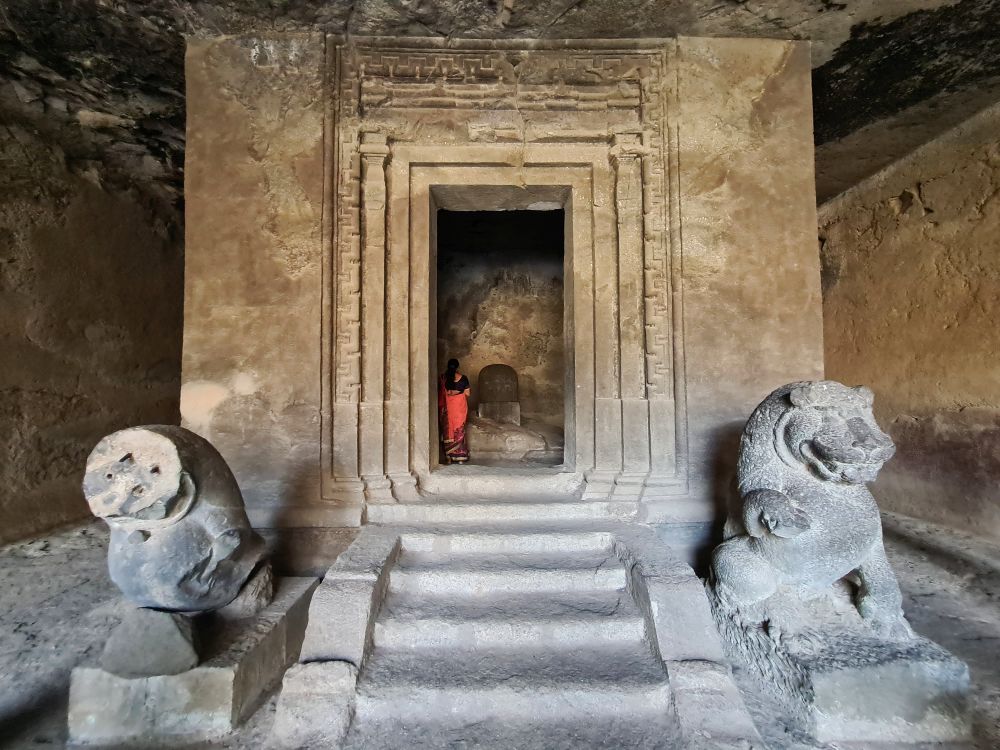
(511, 640)
(577, 635)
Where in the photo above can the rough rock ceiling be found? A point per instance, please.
(104, 78)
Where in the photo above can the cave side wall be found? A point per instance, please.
(90, 326)
(911, 276)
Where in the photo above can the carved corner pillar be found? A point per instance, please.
(665, 386)
(344, 485)
(607, 468)
(627, 158)
(374, 152)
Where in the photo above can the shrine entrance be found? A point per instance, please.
(500, 313)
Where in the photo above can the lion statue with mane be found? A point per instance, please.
(807, 521)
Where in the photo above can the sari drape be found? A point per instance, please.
(453, 413)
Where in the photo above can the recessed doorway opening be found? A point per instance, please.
(501, 313)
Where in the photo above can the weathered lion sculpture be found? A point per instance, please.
(180, 537)
(807, 520)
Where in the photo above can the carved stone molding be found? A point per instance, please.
(411, 92)
(685, 170)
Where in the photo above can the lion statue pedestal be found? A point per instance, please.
(206, 629)
(801, 588)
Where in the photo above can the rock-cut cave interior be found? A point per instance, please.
(384, 374)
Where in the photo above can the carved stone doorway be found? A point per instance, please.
(685, 170)
(500, 303)
(455, 188)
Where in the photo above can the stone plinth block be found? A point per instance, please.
(148, 643)
(872, 690)
(243, 659)
(316, 705)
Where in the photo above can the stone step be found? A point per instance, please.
(512, 703)
(501, 540)
(652, 731)
(513, 689)
(437, 632)
(557, 699)
(548, 484)
(480, 514)
(477, 575)
(556, 604)
(624, 665)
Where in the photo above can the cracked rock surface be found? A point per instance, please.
(105, 79)
(910, 276)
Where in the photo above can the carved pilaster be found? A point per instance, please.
(374, 153)
(627, 157)
(607, 354)
(397, 334)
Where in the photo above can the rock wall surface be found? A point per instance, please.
(752, 315)
(90, 319)
(107, 77)
(253, 269)
(500, 300)
(911, 277)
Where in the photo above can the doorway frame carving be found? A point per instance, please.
(628, 435)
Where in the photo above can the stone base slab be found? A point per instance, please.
(872, 690)
(243, 660)
(845, 683)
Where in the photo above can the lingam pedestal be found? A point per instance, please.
(498, 394)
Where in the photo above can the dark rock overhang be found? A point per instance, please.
(105, 80)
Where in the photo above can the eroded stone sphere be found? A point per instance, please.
(180, 537)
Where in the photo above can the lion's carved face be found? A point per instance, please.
(830, 429)
(135, 479)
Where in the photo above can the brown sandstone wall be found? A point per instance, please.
(751, 287)
(254, 197)
(90, 327)
(911, 276)
(263, 289)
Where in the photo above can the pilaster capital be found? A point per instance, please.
(374, 146)
(627, 148)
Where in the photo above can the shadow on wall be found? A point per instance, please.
(91, 304)
(297, 548)
(946, 469)
(725, 495)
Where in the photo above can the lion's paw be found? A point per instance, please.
(785, 521)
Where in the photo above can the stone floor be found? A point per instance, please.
(57, 605)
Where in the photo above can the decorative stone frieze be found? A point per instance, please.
(568, 107)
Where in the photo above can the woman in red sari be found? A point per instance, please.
(453, 411)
